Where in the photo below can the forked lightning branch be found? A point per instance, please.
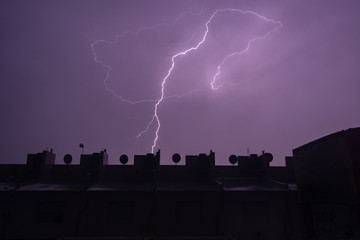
(212, 82)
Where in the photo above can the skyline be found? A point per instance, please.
(297, 85)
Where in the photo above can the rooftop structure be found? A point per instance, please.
(249, 199)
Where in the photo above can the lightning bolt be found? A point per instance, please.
(129, 32)
(155, 117)
(279, 25)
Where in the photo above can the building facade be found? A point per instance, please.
(315, 196)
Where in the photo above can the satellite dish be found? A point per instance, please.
(233, 159)
(176, 158)
(67, 159)
(267, 157)
(124, 159)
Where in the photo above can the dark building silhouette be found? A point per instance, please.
(328, 179)
(315, 196)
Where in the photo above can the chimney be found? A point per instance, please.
(91, 164)
(39, 164)
(148, 161)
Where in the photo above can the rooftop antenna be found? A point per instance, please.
(81, 145)
(248, 150)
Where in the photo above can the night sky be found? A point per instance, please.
(71, 71)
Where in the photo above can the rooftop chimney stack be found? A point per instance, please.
(39, 164)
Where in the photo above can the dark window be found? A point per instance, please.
(50, 212)
(256, 212)
(121, 212)
(323, 217)
(189, 212)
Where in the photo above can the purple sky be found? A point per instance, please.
(300, 83)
